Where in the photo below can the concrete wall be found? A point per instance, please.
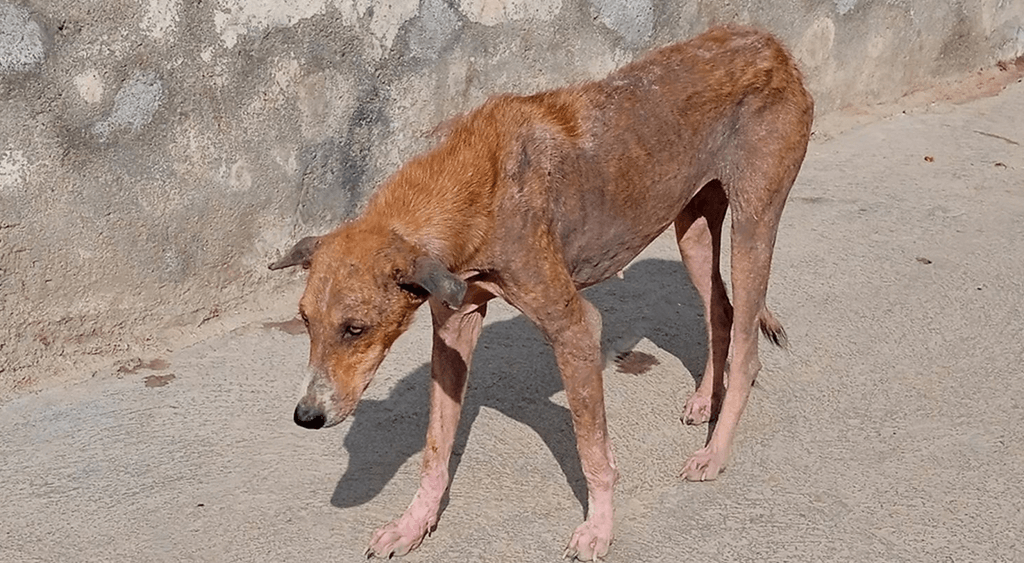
(155, 155)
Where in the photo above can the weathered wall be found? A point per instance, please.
(156, 154)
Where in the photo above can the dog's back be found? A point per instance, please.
(608, 165)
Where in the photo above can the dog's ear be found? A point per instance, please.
(300, 254)
(433, 277)
(423, 275)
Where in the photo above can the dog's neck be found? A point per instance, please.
(441, 202)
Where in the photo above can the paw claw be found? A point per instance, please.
(704, 465)
(396, 539)
(590, 541)
(697, 410)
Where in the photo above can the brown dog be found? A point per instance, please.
(532, 198)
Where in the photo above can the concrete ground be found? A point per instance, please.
(892, 430)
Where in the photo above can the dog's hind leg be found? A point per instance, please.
(455, 336)
(756, 200)
(699, 235)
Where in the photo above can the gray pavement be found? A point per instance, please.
(892, 430)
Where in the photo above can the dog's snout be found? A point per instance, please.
(311, 417)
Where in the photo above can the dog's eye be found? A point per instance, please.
(305, 319)
(350, 331)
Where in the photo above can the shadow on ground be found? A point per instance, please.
(655, 300)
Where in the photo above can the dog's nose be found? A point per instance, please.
(309, 417)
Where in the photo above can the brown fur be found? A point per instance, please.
(531, 198)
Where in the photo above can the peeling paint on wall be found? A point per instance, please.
(388, 17)
(134, 104)
(21, 41)
(90, 86)
(160, 17)
(631, 19)
(493, 12)
(12, 169)
(238, 17)
(844, 6)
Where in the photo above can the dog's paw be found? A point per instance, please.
(697, 409)
(397, 538)
(590, 541)
(704, 465)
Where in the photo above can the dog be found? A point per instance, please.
(533, 198)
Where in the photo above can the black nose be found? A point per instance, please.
(309, 417)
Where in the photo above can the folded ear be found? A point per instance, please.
(429, 274)
(300, 254)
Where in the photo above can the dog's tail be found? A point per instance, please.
(772, 328)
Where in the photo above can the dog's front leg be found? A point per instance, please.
(455, 336)
(575, 335)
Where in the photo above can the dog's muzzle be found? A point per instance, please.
(320, 405)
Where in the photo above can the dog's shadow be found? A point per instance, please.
(654, 300)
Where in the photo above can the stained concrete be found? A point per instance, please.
(892, 430)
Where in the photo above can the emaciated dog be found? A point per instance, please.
(533, 198)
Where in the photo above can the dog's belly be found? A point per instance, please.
(607, 216)
(597, 251)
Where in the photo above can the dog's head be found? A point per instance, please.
(363, 286)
